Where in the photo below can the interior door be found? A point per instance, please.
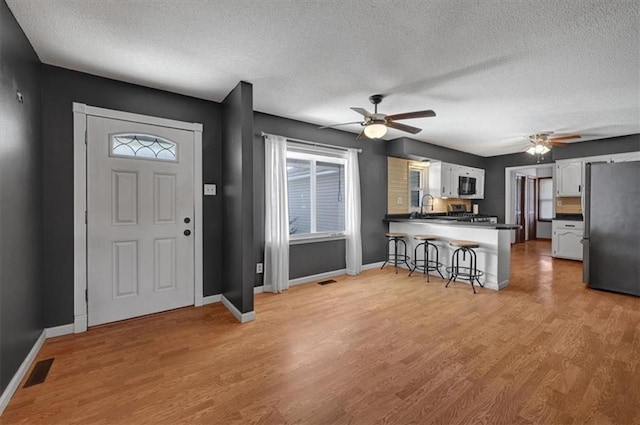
(140, 251)
(531, 215)
(520, 209)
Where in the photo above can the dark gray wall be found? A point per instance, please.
(608, 146)
(21, 320)
(61, 88)
(238, 208)
(405, 147)
(314, 258)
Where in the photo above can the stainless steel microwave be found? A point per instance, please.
(466, 185)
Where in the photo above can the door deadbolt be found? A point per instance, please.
(187, 232)
(187, 220)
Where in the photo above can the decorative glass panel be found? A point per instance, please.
(144, 146)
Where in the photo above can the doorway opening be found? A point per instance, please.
(528, 201)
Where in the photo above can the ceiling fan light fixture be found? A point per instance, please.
(531, 150)
(375, 130)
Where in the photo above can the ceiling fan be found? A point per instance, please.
(541, 143)
(376, 125)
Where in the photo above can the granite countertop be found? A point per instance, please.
(569, 217)
(441, 221)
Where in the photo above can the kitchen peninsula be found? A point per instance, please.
(493, 254)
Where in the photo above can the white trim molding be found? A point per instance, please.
(372, 265)
(80, 113)
(240, 317)
(60, 330)
(316, 277)
(211, 299)
(21, 372)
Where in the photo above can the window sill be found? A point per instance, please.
(316, 238)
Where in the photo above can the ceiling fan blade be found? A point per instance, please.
(557, 144)
(573, 136)
(408, 115)
(363, 112)
(403, 127)
(338, 125)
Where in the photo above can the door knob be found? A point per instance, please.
(187, 232)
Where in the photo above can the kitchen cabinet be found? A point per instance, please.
(479, 173)
(443, 180)
(569, 178)
(566, 239)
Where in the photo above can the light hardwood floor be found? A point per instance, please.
(377, 348)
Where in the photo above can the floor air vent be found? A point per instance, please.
(39, 373)
(326, 282)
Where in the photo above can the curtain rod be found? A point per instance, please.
(306, 142)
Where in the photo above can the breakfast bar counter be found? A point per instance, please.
(493, 255)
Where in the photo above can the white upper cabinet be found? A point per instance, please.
(479, 184)
(569, 178)
(442, 184)
(444, 179)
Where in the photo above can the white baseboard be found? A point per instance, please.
(240, 317)
(59, 330)
(80, 324)
(372, 265)
(315, 277)
(258, 289)
(210, 299)
(21, 372)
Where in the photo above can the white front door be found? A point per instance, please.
(140, 197)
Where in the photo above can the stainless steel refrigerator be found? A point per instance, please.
(611, 241)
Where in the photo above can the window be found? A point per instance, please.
(143, 146)
(416, 186)
(545, 199)
(316, 194)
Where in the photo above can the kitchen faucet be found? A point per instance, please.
(422, 203)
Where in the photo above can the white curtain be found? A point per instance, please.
(352, 220)
(276, 234)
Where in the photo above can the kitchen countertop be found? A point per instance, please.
(449, 222)
(569, 217)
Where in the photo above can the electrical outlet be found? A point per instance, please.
(259, 268)
(399, 200)
(209, 189)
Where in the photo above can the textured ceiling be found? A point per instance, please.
(494, 71)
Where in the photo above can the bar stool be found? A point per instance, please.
(425, 264)
(471, 271)
(394, 257)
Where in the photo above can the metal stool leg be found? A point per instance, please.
(386, 257)
(415, 256)
(454, 267)
(405, 257)
(425, 258)
(438, 260)
(395, 257)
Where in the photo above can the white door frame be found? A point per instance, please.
(80, 112)
(508, 207)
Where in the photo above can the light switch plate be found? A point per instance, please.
(209, 189)
(399, 200)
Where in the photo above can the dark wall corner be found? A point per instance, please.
(238, 197)
(21, 318)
